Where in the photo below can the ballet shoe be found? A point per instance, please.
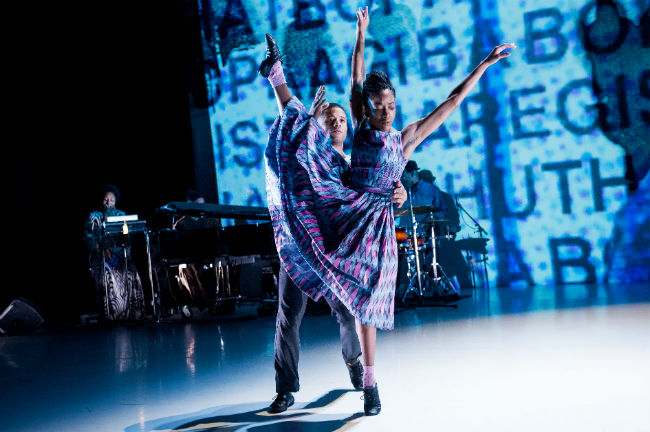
(272, 55)
(371, 402)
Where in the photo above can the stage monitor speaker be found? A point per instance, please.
(20, 317)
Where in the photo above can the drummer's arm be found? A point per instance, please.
(440, 203)
(437, 200)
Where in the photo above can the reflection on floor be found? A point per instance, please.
(572, 358)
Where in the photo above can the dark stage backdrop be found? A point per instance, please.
(98, 92)
(550, 152)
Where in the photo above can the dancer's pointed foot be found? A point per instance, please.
(371, 402)
(272, 55)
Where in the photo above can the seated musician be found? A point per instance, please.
(119, 288)
(445, 217)
(422, 192)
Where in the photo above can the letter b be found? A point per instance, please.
(552, 50)
(580, 261)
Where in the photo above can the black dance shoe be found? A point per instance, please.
(281, 402)
(371, 402)
(272, 55)
(355, 369)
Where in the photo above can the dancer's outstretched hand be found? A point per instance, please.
(319, 104)
(363, 19)
(498, 53)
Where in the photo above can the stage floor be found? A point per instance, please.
(571, 358)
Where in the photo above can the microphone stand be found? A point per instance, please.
(481, 231)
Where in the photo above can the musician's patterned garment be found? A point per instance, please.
(118, 284)
(332, 239)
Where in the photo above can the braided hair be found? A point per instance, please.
(375, 82)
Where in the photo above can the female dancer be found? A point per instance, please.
(334, 240)
(372, 104)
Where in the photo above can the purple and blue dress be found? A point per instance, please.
(335, 239)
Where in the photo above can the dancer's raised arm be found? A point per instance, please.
(319, 104)
(358, 70)
(415, 133)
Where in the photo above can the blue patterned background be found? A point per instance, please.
(537, 153)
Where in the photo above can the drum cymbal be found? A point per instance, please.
(416, 210)
(431, 219)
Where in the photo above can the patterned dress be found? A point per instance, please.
(335, 238)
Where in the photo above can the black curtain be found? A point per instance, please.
(97, 93)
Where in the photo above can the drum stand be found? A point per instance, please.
(155, 300)
(417, 275)
(437, 275)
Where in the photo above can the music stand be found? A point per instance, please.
(124, 225)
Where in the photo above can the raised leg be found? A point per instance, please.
(282, 96)
(271, 68)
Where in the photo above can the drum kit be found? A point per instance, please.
(426, 278)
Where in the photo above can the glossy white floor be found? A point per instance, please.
(539, 359)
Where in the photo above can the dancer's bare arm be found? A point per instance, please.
(415, 133)
(358, 68)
